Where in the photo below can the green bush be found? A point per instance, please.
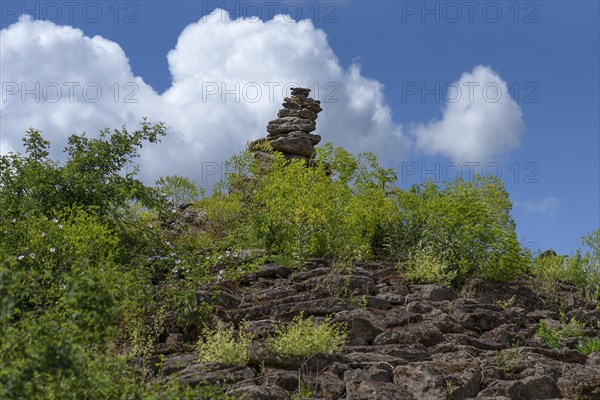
(580, 269)
(222, 345)
(295, 212)
(552, 336)
(425, 267)
(588, 345)
(466, 225)
(305, 338)
(549, 335)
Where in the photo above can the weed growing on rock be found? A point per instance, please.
(304, 338)
(549, 335)
(552, 336)
(588, 345)
(508, 360)
(223, 345)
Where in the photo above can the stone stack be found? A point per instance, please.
(291, 133)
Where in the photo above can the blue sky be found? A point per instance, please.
(385, 63)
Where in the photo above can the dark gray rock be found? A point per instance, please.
(457, 373)
(297, 146)
(530, 388)
(290, 124)
(213, 373)
(304, 114)
(254, 392)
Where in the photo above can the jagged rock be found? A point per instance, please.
(456, 373)
(533, 387)
(254, 392)
(361, 323)
(213, 373)
(330, 386)
(281, 377)
(404, 342)
(177, 363)
(476, 316)
(432, 293)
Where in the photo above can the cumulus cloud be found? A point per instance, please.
(480, 120)
(228, 80)
(546, 205)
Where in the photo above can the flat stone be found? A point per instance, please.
(290, 124)
(299, 146)
(305, 114)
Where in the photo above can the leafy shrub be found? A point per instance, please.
(329, 210)
(549, 335)
(580, 269)
(466, 225)
(305, 338)
(552, 336)
(178, 189)
(508, 360)
(588, 345)
(425, 267)
(222, 345)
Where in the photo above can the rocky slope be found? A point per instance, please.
(406, 341)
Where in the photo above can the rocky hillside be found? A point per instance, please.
(404, 341)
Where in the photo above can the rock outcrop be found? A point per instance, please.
(404, 341)
(291, 133)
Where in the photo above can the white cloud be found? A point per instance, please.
(546, 205)
(214, 53)
(480, 120)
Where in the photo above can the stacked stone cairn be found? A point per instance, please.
(290, 133)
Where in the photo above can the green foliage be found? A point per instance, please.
(304, 391)
(425, 267)
(178, 189)
(329, 210)
(305, 338)
(573, 328)
(588, 345)
(508, 360)
(549, 335)
(81, 245)
(222, 345)
(465, 226)
(552, 336)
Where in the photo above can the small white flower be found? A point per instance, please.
(175, 270)
(43, 234)
(220, 257)
(173, 211)
(227, 253)
(59, 226)
(235, 254)
(177, 262)
(52, 249)
(55, 221)
(96, 168)
(32, 255)
(20, 257)
(149, 225)
(14, 220)
(106, 181)
(173, 254)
